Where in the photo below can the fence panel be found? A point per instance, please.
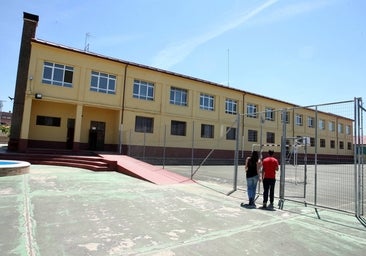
(360, 153)
(321, 162)
(201, 158)
(327, 168)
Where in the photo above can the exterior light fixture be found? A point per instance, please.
(38, 96)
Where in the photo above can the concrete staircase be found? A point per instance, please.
(87, 161)
(99, 162)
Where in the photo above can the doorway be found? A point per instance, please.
(70, 133)
(96, 135)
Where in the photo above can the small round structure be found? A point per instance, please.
(12, 167)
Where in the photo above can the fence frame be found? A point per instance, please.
(358, 166)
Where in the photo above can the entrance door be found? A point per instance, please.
(96, 135)
(70, 133)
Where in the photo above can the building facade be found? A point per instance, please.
(73, 99)
(5, 118)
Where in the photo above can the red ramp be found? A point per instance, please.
(141, 170)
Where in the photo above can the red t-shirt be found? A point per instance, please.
(270, 165)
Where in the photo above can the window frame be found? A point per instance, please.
(332, 144)
(180, 96)
(321, 124)
(299, 119)
(207, 131)
(349, 145)
(144, 124)
(331, 126)
(269, 114)
(341, 144)
(100, 76)
(322, 143)
(178, 128)
(340, 128)
(252, 110)
(348, 129)
(231, 106)
(252, 135)
(48, 121)
(230, 133)
(311, 121)
(143, 90)
(270, 137)
(57, 74)
(207, 102)
(287, 117)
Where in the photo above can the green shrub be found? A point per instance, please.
(5, 129)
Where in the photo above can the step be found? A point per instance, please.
(69, 164)
(95, 163)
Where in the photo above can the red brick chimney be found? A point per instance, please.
(29, 32)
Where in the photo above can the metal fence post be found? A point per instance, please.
(164, 148)
(283, 160)
(192, 151)
(236, 155)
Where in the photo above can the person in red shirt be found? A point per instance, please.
(270, 167)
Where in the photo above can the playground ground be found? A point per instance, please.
(69, 211)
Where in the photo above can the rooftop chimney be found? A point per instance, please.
(30, 22)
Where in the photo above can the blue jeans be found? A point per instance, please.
(252, 187)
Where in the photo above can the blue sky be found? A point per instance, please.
(305, 52)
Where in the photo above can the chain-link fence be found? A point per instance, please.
(319, 148)
(331, 178)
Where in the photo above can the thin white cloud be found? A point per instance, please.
(291, 10)
(174, 54)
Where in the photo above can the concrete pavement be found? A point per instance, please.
(69, 211)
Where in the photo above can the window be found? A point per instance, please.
(341, 145)
(143, 90)
(331, 126)
(349, 145)
(178, 128)
(285, 116)
(322, 143)
(332, 144)
(230, 133)
(348, 129)
(340, 128)
(252, 110)
(102, 82)
(144, 124)
(231, 106)
(207, 131)
(252, 135)
(321, 124)
(298, 119)
(269, 114)
(312, 141)
(310, 122)
(206, 102)
(48, 121)
(57, 74)
(270, 137)
(178, 96)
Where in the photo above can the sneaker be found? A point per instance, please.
(264, 205)
(270, 206)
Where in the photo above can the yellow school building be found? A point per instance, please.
(73, 99)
